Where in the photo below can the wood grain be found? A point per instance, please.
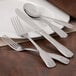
(25, 63)
(66, 5)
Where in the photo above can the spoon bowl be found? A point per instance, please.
(32, 10)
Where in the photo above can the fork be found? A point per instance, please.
(15, 45)
(18, 47)
(61, 48)
(20, 31)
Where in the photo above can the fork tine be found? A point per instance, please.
(17, 25)
(14, 23)
(20, 31)
(15, 45)
(10, 42)
(20, 25)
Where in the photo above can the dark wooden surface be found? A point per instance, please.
(25, 63)
(66, 5)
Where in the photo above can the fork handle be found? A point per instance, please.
(37, 47)
(43, 54)
(59, 58)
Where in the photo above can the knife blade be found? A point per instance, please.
(62, 49)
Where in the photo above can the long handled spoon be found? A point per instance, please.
(35, 13)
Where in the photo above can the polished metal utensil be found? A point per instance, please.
(62, 49)
(20, 31)
(35, 13)
(18, 47)
(15, 45)
(66, 24)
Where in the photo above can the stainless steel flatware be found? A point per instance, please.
(62, 49)
(15, 45)
(18, 47)
(44, 56)
(35, 13)
(20, 31)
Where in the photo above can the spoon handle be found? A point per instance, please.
(65, 51)
(66, 24)
(60, 32)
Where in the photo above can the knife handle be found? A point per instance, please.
(53, 26)
(62, 49)
(59, 58)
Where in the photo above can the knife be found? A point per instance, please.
(62, 49)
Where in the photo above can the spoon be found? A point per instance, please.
(34, 12)
(62, 49)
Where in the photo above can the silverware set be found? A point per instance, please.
(46, 56)
(35, 13)
(30, 13)
(65, 51)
